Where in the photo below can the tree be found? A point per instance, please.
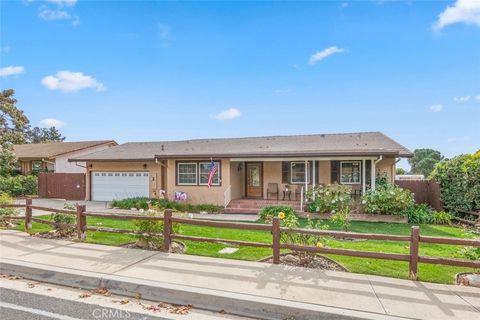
(43, 135)
(14, 125)
(424, 160)
(400, 171)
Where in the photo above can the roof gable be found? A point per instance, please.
(53, 149)
(363, 143)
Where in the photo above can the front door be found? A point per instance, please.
(254, 179)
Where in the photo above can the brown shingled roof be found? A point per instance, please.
(364, 143)
(52, 149)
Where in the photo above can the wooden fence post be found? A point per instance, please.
(167, 230)
(28, 214)
(276, 240)
(414, 242)
(81, 222)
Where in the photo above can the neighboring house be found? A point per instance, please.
(53, 156)
(246, 166)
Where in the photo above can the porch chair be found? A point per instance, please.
(272, 189)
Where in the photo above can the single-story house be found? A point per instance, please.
(247, 167)
(53, 156)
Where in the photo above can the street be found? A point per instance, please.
(24, 299)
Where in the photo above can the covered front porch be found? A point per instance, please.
(287, 180)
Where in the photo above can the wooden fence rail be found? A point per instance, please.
(414, 239)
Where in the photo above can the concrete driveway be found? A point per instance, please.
(104, 206)
(59, 204)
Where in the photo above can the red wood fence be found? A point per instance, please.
(68, 186)
(414, 239)
(424, 191)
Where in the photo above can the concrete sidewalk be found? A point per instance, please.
(260, 285)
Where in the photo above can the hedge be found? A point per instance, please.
(19, 185)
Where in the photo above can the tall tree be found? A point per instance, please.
(424, 161)
(14, 124)
(42, 135)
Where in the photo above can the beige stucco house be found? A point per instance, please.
(247, 167)
(53, 156)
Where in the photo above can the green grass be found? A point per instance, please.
(397, 269)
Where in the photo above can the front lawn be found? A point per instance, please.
(432, 273)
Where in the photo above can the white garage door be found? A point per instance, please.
(107, 186)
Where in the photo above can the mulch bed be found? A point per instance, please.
(320, 262)
(175, 247)
(471, 279)
(53, 234)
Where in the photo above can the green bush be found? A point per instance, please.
(328, 199)
(268, 213)
(341, 218)
(6, 199)
(388, 199)
(459, 180)
(19, 185)
(64, 222)
(423, 214)
(161, 204)
(147, 227)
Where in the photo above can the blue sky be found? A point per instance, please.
(142, 71)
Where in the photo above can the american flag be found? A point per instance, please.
(213, 170)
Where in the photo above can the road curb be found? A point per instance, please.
(208, 299)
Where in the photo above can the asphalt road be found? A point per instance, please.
(17, 305)
(25, 299)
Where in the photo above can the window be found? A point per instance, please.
(36, 165)
(187, 173)
(350, 172)
(298, 172)
(204, 172)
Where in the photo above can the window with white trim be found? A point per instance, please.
(204, 173)
(298, 171)
(187, 173)
(350, 172)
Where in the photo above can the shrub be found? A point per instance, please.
(291, 221)
(328, 198)
(422, 213)
(342, 218)
(6, 199)
(267, 214)
(64, 222)
(441, 217)
(459, 180)
(389, 199)
(19, 185)
(147, 239)
(161, 204)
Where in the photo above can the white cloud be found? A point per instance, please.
(228, 114)
(477, 98)
(50, 15)
(10, 71)
(436, 108)
(61, 3)
(163, 31)
(461, 99)
(320, 55)
(69, 81)
(5, 49)
(50, 122)
(462, 11)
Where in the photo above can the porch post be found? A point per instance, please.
(374, 174)
(313, 177)
(363, 176)
(306, 175)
